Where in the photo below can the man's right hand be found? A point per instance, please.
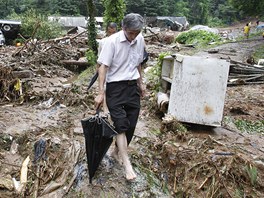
(99, 99)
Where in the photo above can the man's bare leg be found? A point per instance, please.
(122, 147)
(115, 155)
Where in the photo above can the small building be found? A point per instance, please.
(72, 22)
(168, 22)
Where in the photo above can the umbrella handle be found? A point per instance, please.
(97, 111)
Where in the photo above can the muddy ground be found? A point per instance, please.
(171, 159)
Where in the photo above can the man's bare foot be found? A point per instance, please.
(130, 174)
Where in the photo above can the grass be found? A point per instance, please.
(86, 75)
(246, 126)
(252, 173)
(259, 53)
(251, 36)
(250, 126)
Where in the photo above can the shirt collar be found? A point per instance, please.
(124, 39)
(122, 36)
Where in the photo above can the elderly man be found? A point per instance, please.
(120, 61)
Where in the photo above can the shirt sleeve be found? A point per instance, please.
(142, 47)
(100, 45)
(107, 53)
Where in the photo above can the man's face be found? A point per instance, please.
(110, 31)
(131, 34)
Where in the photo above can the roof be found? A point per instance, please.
(181, 20)
(13, 22)
(69, 21)
(73, 21)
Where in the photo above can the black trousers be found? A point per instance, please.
(123, 102)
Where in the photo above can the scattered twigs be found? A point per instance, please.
(221, 179)
(220, 143)
(29, 40)
(202, 184)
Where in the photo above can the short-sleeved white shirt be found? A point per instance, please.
(122, 57)
(101, 44)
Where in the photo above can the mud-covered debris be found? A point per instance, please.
(8, 91)
(6, 182)
(39, 150)
(171, 125)
(5, 141)
(23, 177)
(207, 167)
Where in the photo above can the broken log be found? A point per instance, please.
(74, 65)
(75, 62)
(23, 74)
(241, 63)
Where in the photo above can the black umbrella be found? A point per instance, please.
(93, 79)
(98, 135)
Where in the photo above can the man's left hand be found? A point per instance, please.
(142, 89)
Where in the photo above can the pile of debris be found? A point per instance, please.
(52, 163)
(204, 167)
(243, 73)
(36, 63)
(10, 88)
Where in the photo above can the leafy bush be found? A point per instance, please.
(37, 25)
(197, 37)
(154, 74)
(215, 22)
(91, 57)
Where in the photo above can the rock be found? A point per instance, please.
(23, 74)
(6, 182)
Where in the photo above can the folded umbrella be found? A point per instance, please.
(93, 79)
(98, 135)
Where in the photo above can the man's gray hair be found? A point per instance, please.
(133, 21)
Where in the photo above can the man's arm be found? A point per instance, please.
(140, 82)
(101, 78)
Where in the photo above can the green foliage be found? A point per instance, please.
(85, 75)
(249, 7)
(154, 74)
(36, 25)
(91, 57)
(114, 11)
(198, 8)
(215, 22)
(67, 8)
(155, 8)
(246, 126)
(182, 9)
(252, 173)
(250, 126)
(197, 12)
(92, 44)
(259, 53)
(136, 6)
(197, 37)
